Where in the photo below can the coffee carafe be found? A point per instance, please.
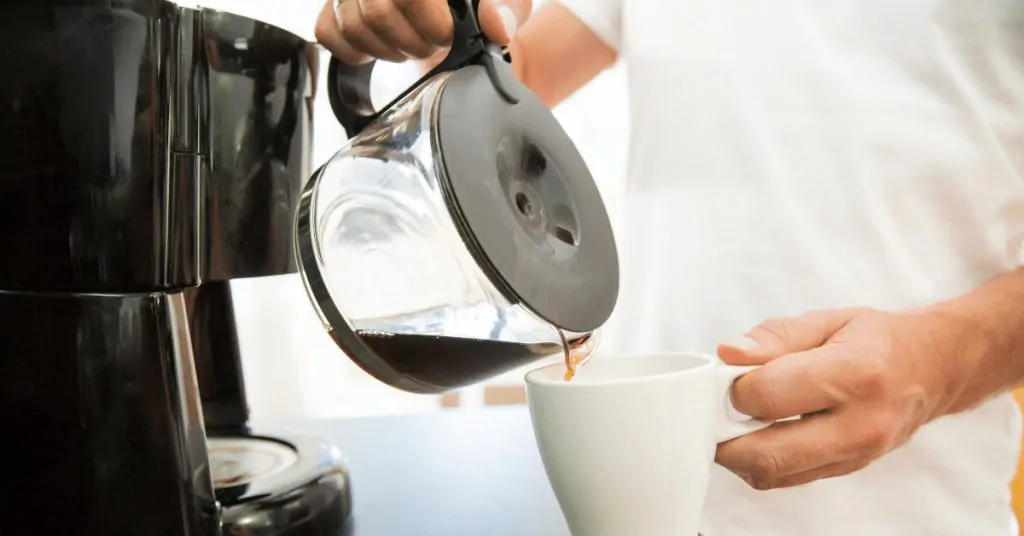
(459, 233)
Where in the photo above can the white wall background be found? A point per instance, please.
(292, 369)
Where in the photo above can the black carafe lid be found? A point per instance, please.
(524, 200)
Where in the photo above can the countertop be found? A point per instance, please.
(451, 473)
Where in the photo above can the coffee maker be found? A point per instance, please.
(150, 154)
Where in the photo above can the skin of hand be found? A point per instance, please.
(399, 30)
(859, 382)
(554, 54)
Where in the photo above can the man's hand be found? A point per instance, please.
(356, 31)
(860, 382)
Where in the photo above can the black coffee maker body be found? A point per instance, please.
(149, 153)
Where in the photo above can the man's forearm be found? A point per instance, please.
(984, 334)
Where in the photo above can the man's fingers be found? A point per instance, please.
(432, 19)
(781, 336)
(806, 477)
(794, 384)
(360, 35)
(789, 448)
(391, 27)
(783, 449)
(500, 19)
(328, 34)
(357, 30)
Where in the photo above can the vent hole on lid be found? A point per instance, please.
(533, 163)
(563, 226)
(524, 205)
(565, 235)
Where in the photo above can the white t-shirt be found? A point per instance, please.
(803, 154)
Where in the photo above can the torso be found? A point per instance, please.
(808, 154)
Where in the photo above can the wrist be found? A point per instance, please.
(943, 346)
(980, 337)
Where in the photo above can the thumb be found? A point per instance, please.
(777, 337)
(500, 19)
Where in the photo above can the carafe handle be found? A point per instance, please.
(348, 87)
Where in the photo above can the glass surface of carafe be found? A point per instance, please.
(458, 235)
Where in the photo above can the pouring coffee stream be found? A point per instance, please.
(458, 235)
(577, 352)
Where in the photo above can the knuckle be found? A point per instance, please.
(376, 14)
(874, 439)
(407, 5)
(777, 326)
(766, 466)
(322, 32)
(879, 434)
(782, 330)
(871, 379)
(326, 27)
(352, 32)
(760, 484)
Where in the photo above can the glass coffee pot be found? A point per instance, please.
(459, 234)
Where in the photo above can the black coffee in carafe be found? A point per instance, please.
(452, 362)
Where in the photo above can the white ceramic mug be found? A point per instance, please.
(629, 442)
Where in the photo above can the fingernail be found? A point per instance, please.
(743, 343)
(508, 19)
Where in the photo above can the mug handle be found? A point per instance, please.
(728, 422)
(348, 86)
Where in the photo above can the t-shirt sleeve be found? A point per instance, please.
(603, 17)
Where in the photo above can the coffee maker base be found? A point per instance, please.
(280, 486)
